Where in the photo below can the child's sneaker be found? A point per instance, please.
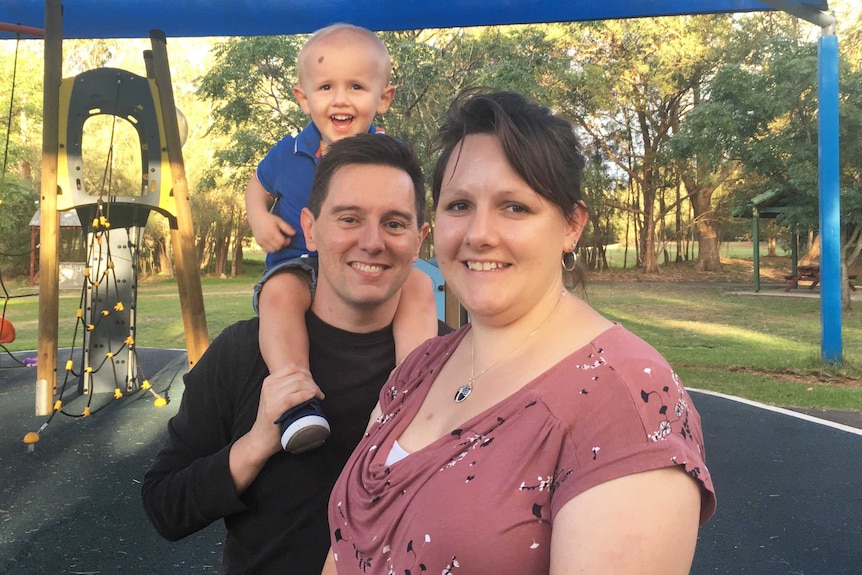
(303, 427)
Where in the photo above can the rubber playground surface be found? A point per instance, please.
(789, 485)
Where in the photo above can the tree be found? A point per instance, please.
(603, 196)
(763, 112)
(628, 88)
(21, 124)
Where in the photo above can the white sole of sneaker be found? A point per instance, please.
(305, 434)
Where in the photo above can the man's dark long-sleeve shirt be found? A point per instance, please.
(279, 525)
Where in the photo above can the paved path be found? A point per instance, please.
(789, 491)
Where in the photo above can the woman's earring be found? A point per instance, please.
(570, 261)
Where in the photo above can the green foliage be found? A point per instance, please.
(20, 144)
(19, 205)
(601, 194)
(760, 112)
(251, 86)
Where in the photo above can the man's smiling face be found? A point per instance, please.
(367, 238)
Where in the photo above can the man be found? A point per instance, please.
(223, 459)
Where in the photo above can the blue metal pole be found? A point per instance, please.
(830, 221)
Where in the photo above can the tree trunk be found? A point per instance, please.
(648, 242)
(236, 260)
(167, 261)
(220, 250)
(846, 301)
(632, 225)
(678, 225)
(708, 257)
(650, 261)
(813, 253)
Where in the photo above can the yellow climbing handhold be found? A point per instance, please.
(69, 365)
(145, 384)
(105, 312)
(58, 405)
(109, 355)
(117, 393)
(119, 306)
(160, 402)
(86, 411)
(130, 341)
(31, 437)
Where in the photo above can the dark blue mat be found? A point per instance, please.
(72, 504)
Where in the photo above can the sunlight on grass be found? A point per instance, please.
(741, 335)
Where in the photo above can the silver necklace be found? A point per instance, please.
(465, 390)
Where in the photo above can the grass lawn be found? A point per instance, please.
(762, 348)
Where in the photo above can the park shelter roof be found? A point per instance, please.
(183, 18)
(769, 204)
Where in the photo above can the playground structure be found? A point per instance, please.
(112, 223)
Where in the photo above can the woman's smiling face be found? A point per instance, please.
(497, 241)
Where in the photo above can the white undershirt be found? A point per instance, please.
(396, 454)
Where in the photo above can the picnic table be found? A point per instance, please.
(812, 274)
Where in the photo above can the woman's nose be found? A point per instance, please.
(481, 229)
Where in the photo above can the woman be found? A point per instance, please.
(540, 438)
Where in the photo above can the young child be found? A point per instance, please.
(343, 73)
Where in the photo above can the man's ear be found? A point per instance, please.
(306, 219)
(423, 233)
(302, 98)
(385, 99)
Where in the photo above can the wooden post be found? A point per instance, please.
(794, 253)
(23, 30)
(456, 316)
(176, 241)
(185, 258)
(49, 228)
(755, 236)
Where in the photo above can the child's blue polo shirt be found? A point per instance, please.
(287, 172)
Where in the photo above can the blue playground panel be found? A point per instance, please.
(430, 268)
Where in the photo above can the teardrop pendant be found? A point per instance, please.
(464, 392)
